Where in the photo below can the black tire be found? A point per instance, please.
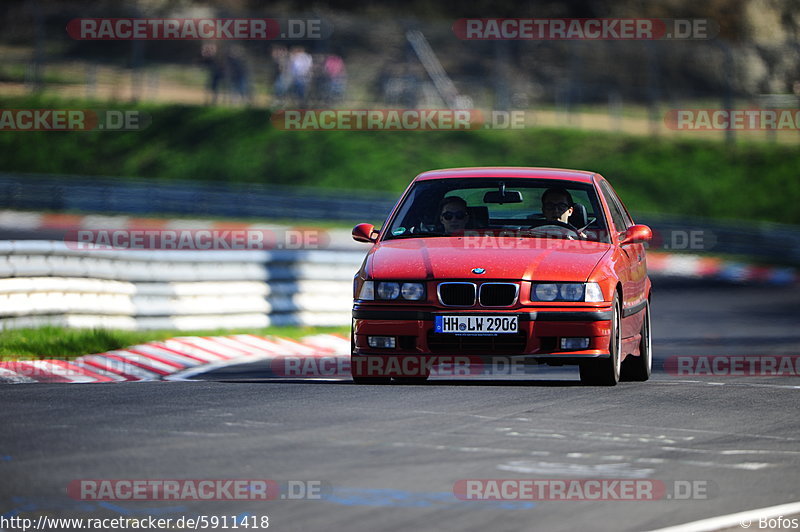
(639, 368)
(606, 371)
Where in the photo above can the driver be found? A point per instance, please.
(453, 214)
(557, 204)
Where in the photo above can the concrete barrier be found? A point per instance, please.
(52, 283)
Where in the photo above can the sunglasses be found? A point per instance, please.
(459, 215)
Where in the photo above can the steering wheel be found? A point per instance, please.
(564, 228)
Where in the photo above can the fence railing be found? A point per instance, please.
(769, 242)
(47, 283)
(139, 196)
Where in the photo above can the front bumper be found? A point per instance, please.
(539, 335)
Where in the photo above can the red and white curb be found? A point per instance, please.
(174, 359)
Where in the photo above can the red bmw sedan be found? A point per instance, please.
(538, 265)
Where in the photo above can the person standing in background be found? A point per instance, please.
(300, 64)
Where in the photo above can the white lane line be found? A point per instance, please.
(621, 470)
(728, 452)
(677, 429)
(747, 466)
(738, 519)
(736, 383)
(439, 447)
(606, 425)
(759, 385)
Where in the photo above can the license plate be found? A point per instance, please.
(476, 325)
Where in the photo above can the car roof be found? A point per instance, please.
(559, 174)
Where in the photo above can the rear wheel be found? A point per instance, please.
(606, 371)
(639, 368)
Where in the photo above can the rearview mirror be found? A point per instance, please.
(636, 234)
(507, 196)
(365, 233)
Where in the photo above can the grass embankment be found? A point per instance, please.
(752, 181)
(61, 343)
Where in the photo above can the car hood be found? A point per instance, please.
(501, 257)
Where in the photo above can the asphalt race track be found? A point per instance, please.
(387, 457)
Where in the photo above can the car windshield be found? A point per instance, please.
(499, 206)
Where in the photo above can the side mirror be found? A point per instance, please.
(636, 234)
(364, 233)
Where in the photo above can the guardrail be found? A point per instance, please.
(769, 242)
(48, 283)
(53, 283)
(140, 197)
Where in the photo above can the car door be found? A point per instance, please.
(631, 263)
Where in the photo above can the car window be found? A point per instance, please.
(418, 214)
(621, 219)
(531, 204)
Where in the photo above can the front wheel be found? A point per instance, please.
(639, 368)
(606, 371)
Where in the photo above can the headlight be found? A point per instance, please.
(413, 291)
(391, 290)
(589, 292)
(388, 290)
(367, 292)
(571, 292)
(546, 292)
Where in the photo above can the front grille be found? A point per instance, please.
(457, 294)
(502, 344)
(498, 294)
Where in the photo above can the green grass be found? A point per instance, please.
(62, 343)
(750, 181)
